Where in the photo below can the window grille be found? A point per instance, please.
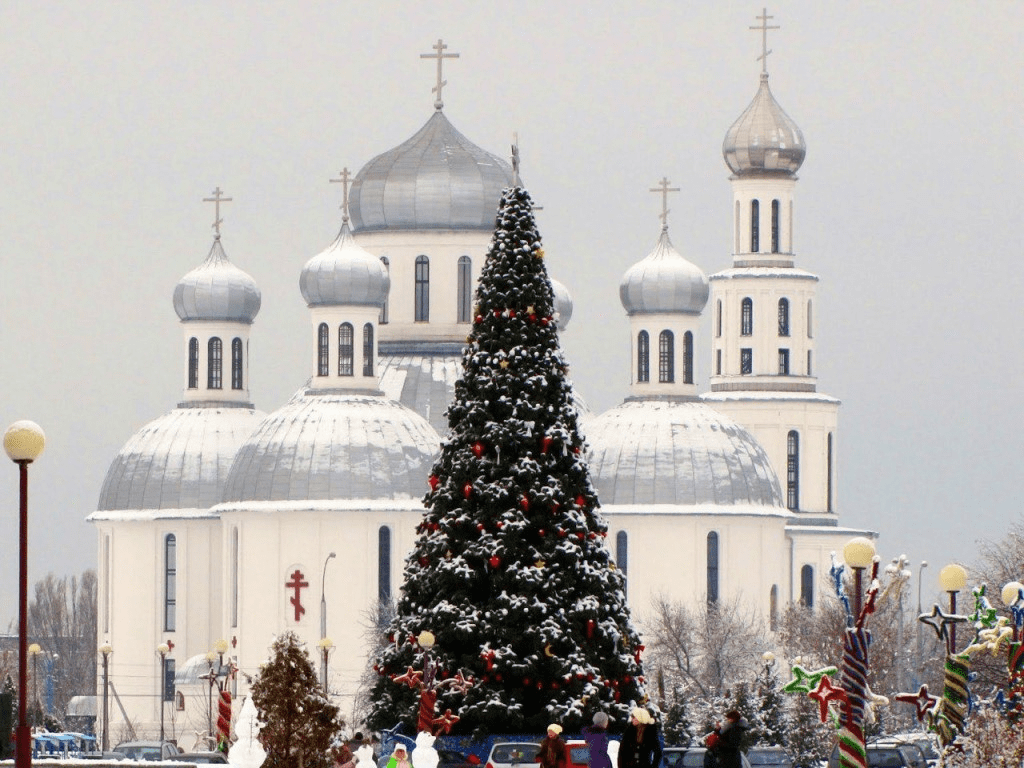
(746, 361)
(170, 579)
(688, 357)
(323, 335)
(236, 363)
(643, 357)
(793, 470)
(193, 363)
(775, 226)
(666, 357)
(422, 310)
(783, 317)
(368, 349)
(712, 573)
(465, 292)
(214, 363)
(783, 362)
(383, 318)
(755, 226)
(747, 317)
(345, 349)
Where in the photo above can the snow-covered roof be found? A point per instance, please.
(178, 461)
(734, 273)
(217, 290)
(677, 451)
(746, 394)
(335, 445)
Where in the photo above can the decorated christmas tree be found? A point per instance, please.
(510, 576)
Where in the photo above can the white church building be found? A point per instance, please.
(216, 521)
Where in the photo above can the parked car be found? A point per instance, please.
(777, 757)
(200, 758)
(694, 758)
(147, 750)
(579, 753)
(672, 757)
(449, 758)
(926, 742)
(887, 755)
(513, 754)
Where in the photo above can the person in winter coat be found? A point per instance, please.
(399, 758)
(553, 751)
(596, 736)
(641, 745)
(730, 737)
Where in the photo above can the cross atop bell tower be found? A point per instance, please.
(764, 27)
(440, 47)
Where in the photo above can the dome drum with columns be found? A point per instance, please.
(218, 522)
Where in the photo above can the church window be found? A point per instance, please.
(746, 361)
(793, 470)
(170, 578)
(214, 363)
(755, 226)
(712, 575)
(828, 474)
(107, 586)
(345, 349)
(809, 363)
(465, 293)
(236, 363)
(193, 363)
(383, 318)
(643, 357)
(775, 226)
(168, 691)
(783, 317)
(234, 577)
(718, 318)
(783, 362)
(368, 349)
(384, 566)
(622, 553)
(688, 357)
(810, 328)
(718, 362)
(773, 608)
(323, 334)
(736, 226)
(807, 586)
(422, 311)
(747, 317)
(666, 357)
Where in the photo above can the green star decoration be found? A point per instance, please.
(804, 681)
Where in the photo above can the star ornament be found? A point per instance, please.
(804, 681)
(923, 701)
(940, 621)
(411, 677)
(825, 694)
(445, 722)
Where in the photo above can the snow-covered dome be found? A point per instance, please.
(438, 179)
(664, 282)
(764, 139)
(335, 446)
(677, 451)
(217, 290)
(178, 461)
(563, 304)
(344, 273)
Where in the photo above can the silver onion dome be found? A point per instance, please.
(177, 461)
(664, 282)
(344, 274)
(438, 179)
(764, 139)
(663, 451)
(217, 290)
(326, 446)
(563, 304)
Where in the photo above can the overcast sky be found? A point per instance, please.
(119, 117)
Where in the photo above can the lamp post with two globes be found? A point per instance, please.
(24, 442)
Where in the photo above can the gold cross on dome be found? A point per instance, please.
(763, 18)
(440, 56)
(346, 177)
(664, 188)
(217, 199)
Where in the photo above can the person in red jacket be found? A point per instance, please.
(553, 751)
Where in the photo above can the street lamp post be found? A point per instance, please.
(326, 645)
(323, 617)
(162, 650)
(23, 441)
(953, 578)
(106, 650)
(34, 650)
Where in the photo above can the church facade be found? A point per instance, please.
(217, 523)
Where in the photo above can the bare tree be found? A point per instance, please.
(62, 620)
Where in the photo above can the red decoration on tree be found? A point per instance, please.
(478, 449)
(544, 321)
(488, 659)
(636, 653)
(497, 313)
(467, 490)
(545, 444)
(580, 501)
(433, 482)
(480, 527)
(591, 626)
(512, 313)
(445, 722)
(525, 503)
(425, 718)
(424, 561)
(495, 561)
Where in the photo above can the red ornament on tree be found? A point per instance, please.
(525, 503)
(512, 313)
(433, 482)
(580, 501)
(545, 444)
(478, 449)
(544, 321)
(424, 561)
(467, 490)
(591, 625)
(495, 561)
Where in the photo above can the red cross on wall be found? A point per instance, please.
(297, 584)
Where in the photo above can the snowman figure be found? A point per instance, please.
(424, 755)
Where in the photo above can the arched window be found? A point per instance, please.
(193, 363)
(234, 577)
(773, 608)
(783, 317)
(170, 587)
(747, 317)
(383, 318)
(688, 357)
(236, 363)
(214, 363)
(666, 357)
(622, 552)
(345, 349)
(712, 569)
(828, 474)
(422, 311)
(807, 586)
(718, 318)
(368, 349)
(643, 357)
(384, 565)
(755, 226)
(775, 226)
(810, 327)
(793, 470)
(465, 292)
(323, 340)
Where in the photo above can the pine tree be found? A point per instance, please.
(772, 706)
(299, 722)
(510, 571)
